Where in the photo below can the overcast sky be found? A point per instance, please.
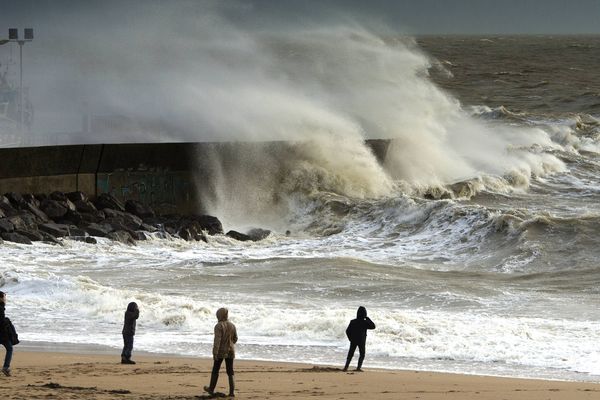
(407, 16)
(156, 59)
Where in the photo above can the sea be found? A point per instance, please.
(474, 245)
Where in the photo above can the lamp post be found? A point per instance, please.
(13, 36)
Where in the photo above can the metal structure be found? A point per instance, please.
(13, 36)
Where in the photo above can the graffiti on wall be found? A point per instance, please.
(159, 190)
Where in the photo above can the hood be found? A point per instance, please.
(222, 314)
(361, 313)
(132, 306)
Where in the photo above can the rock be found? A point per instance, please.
(87, 218)
(39, 214)
(210, 224)
(7, 207)
(147, 227)
(84, 206)
(16, 200)
(30, 199)
(56, 230)
(34, 236)
(30, 221)
(101, 230)
(121, 236)
(2, 215)
(71, 218)
(53, 209)
(106, 200)
(238, 236)
(6, 226)
(191, 230)
(48, 238)
(257, 234)
(77, 196)
(17, 222)
(74, 231)
(90, 240)
(136, 208)
(57, 196)
(15, 237)
(139, 235)
(129, 221)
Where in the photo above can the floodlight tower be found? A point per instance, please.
(13, 36)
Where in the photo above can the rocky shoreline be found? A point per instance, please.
(50, 218)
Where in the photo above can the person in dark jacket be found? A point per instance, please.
(5, 336)
(357, 334)
(131, 315)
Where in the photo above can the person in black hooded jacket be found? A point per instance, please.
(5, 336)
(131, 315)
(357, 334)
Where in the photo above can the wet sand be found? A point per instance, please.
(53, 375)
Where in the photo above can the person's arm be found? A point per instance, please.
(217, 342)
(136, 313)
(370, 324)
(234, 337)
(348, 330)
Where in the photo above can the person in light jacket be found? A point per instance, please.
(131, 315)
(5, 336)
(357, 334)
(223, 349)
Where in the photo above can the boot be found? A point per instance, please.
(125, 360)
(231, 386)
(360, 361)
(347, 364)
(213, 383)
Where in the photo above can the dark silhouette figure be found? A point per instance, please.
(223, 349)
(357, 334)
(5, 336)
(131, 315)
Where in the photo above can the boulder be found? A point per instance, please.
(238, 236)
(15, 199)
(77, 196)
(136, 208)
(2, 215)
(191, 230)
(210, 224)
(71, 218)
(48, 238)
(257, 234)
(17, 222)
(30, 199)
(30, 221)
(15, 237)
(75, 231)
(101, 230)
(90, 240)
(39, 214)
(34, 236)
(147, 227)
(56, 230)
(85, 206)
(121, 236)
(53, 209)
(138, 235)
(106, 200)
(6, 207)
(6, 226)
(130, 221)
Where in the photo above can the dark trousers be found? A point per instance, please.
(228, 366)
(127, 346)
(9, 352)
(361, 357)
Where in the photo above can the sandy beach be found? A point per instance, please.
(53, 375)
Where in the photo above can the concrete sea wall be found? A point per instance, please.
(166, 176)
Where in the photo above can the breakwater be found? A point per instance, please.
(169, 177)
